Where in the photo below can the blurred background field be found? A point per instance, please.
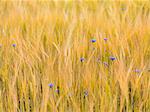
(74, 56)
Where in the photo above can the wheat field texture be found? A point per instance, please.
(74, 56)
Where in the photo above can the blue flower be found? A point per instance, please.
(51, 85)
(93, 40)
(82, 59)
(112, 58)
(14, 45)
(57, 91)
(137, 70)
(105, 39)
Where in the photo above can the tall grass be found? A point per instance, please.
(48, 62)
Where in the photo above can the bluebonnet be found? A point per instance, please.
(51, 85)
(93, 40)
(112, 58)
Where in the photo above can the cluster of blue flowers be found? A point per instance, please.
(94, 40)
(112, 58)
(51, 86)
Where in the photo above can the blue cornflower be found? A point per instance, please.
(14, 45)
(82, 59)
(112, 58)
(137, 70)
(93, 40)
(105, 39)
(51, 85)
(57, 91)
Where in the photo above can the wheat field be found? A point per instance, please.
(74, 56)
